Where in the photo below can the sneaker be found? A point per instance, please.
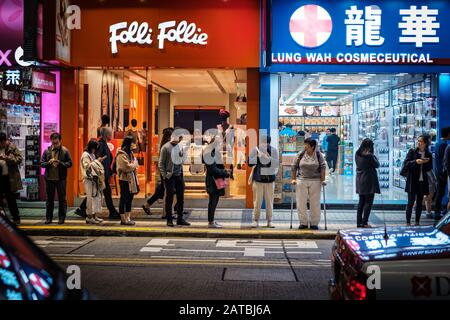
(61, 221)
(314, 227)
(170, 224)
(255, 224)
(127, 223)
(131, 222)
(80, 213)
(91, 221)
(302, 226)
(214, 225)
(98, 219)
(146, 209)
(270, 225)
(183, 222)
(47, 221)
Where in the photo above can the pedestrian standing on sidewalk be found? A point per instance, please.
(10, 180)
(127, 165)
(106, 120)
(440, 172)
(332, 149)
(160, 190)
(56, 160)
(367, 184)
(308, 174)
(93, 175)
(265, 161)
(415, 168)
(216, 178)
(171, 168)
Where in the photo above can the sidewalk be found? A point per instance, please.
(236, 224)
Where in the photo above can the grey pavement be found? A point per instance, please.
(191, 268)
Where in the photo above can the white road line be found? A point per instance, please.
(192, 258)
(46, 242)
(194, 240)
(151, 249)
(296, 252)
(203, 250)
(302, 244)
(254, 252)
(159, 242)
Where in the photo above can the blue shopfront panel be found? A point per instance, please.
(374, 36)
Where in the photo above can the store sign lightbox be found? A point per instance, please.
(171, 31)
(366, 32)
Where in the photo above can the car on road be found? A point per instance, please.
(392, 263)
(27, 273)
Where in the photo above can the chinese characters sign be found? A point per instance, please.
(366, 32)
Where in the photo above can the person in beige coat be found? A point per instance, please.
(94, 181)
(126, 166)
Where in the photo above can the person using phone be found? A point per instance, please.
(56, 160)
(417, 164)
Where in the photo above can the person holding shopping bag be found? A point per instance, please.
(127, 165)
(367, 183)
(93, 175)
(216, 178)
(308, 174)
(265, 161)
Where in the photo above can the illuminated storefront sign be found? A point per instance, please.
(372, 33)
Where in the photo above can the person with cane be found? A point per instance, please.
(308, 175)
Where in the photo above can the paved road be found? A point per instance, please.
(188, 268)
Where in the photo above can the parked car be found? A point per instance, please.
(27, 273)
(411, 262)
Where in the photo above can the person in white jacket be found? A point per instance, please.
(94, 181)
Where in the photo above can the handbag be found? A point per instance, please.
(252, 172)
(404, 170)
(221, 183)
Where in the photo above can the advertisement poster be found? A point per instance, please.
(49, 128)
(62, 31)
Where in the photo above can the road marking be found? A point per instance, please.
(151, 249)
(52, 242)
(72, 255)
(205, 258)
(301, 244)
(205, 250)
(254, 252)
(159, 242)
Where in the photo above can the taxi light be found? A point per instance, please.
(357, 290)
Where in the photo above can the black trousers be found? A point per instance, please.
(51, 188)
(107, 194)
(414, 198)
(174, 186)
(126, 197)
(5, 193)
(159, 193)
(364, 207)
(212, 205)
(332, 159)
(440, 193)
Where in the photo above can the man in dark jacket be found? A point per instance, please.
(10, 180)
(333, 149)
(56, 160)
(103, 151)
(441, 172)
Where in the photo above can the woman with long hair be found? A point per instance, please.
(367, 184)
(127, 165)
(216, 177)
(159, 192)
(93, 175)
(415, 168)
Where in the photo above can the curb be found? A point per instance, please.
(165, 232)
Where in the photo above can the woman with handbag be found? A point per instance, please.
(93, 175)
(216, 179)
(265, 161)
(126, 165)
(367, 184)
(415, 168)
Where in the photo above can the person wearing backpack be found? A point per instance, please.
(440, 171)
(265, 161)
(308, 175)
(415, 168)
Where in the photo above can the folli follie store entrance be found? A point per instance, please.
(148, 87)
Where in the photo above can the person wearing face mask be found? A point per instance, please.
(56, 160)
(415, 168)
(308, 175)
(170, 166)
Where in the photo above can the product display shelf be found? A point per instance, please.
(415, 113)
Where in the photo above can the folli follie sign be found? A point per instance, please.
(168, 34)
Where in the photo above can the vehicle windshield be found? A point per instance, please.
(444, 224)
